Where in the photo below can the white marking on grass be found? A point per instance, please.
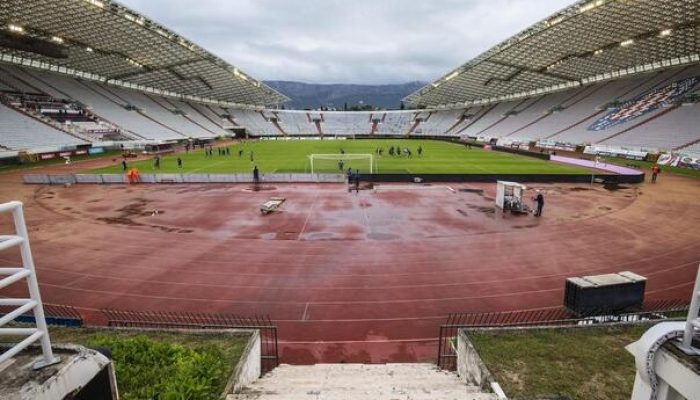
(205, 167)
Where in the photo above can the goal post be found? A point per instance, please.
(331, 163)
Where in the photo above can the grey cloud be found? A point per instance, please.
(360, 41)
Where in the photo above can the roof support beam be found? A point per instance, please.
(542, 71)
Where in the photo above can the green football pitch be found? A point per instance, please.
(293, 156)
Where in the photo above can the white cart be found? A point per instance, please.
(509, 196)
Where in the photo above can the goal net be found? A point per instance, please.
(339, 163)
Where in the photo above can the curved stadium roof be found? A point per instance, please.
(586, 42)
(103, 40)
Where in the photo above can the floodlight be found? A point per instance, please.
(15, 28)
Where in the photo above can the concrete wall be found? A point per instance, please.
(470, 368)
(248, 369)
(327, 178)
(181, 178)
(82, 373)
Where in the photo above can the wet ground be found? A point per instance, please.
(325, 212)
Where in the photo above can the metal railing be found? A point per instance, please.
(54, 314)
(20, 306)
(269, 351)
(551, 317)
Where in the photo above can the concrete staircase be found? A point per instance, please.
(359, 382)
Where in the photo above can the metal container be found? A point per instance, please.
(605, 294)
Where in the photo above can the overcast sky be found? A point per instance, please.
(349, 41)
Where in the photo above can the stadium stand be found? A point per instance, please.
(255, 122)
(340, 123)
(568, 116)
(469, 117)
(5, 88)
(581, 131)
(214, 117)
(438, 123)
(296, 123)
(108, 108)
(190, 113)
(490, 118)
(395, 123)
(155, 111)
(693, 149)
(16, 85)
(512, 119)
(21, 132)
(673, 127)
(20, 74)
(272, 117)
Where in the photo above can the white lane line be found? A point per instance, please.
(304, 316)
(308, 217)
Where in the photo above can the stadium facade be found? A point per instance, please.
(606, 72)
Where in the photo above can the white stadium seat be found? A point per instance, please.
(21, 132)
(565, 116)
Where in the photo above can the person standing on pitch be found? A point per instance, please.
(350, 179)
(655, 171)
(179, 162)
(256, 175)
(156, 162)
(124, 165)
(539, 200)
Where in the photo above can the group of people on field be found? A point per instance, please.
(399, 151)
(222, 151)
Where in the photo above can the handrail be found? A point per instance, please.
(693, 321)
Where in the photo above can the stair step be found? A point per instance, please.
(360, 381)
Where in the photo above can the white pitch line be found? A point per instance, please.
(207, 166)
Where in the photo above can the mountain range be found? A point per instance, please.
(314, 96)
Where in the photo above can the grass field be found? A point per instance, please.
(577, 364)
(292, 156)
(161, 365)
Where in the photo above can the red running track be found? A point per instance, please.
(363, 277)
